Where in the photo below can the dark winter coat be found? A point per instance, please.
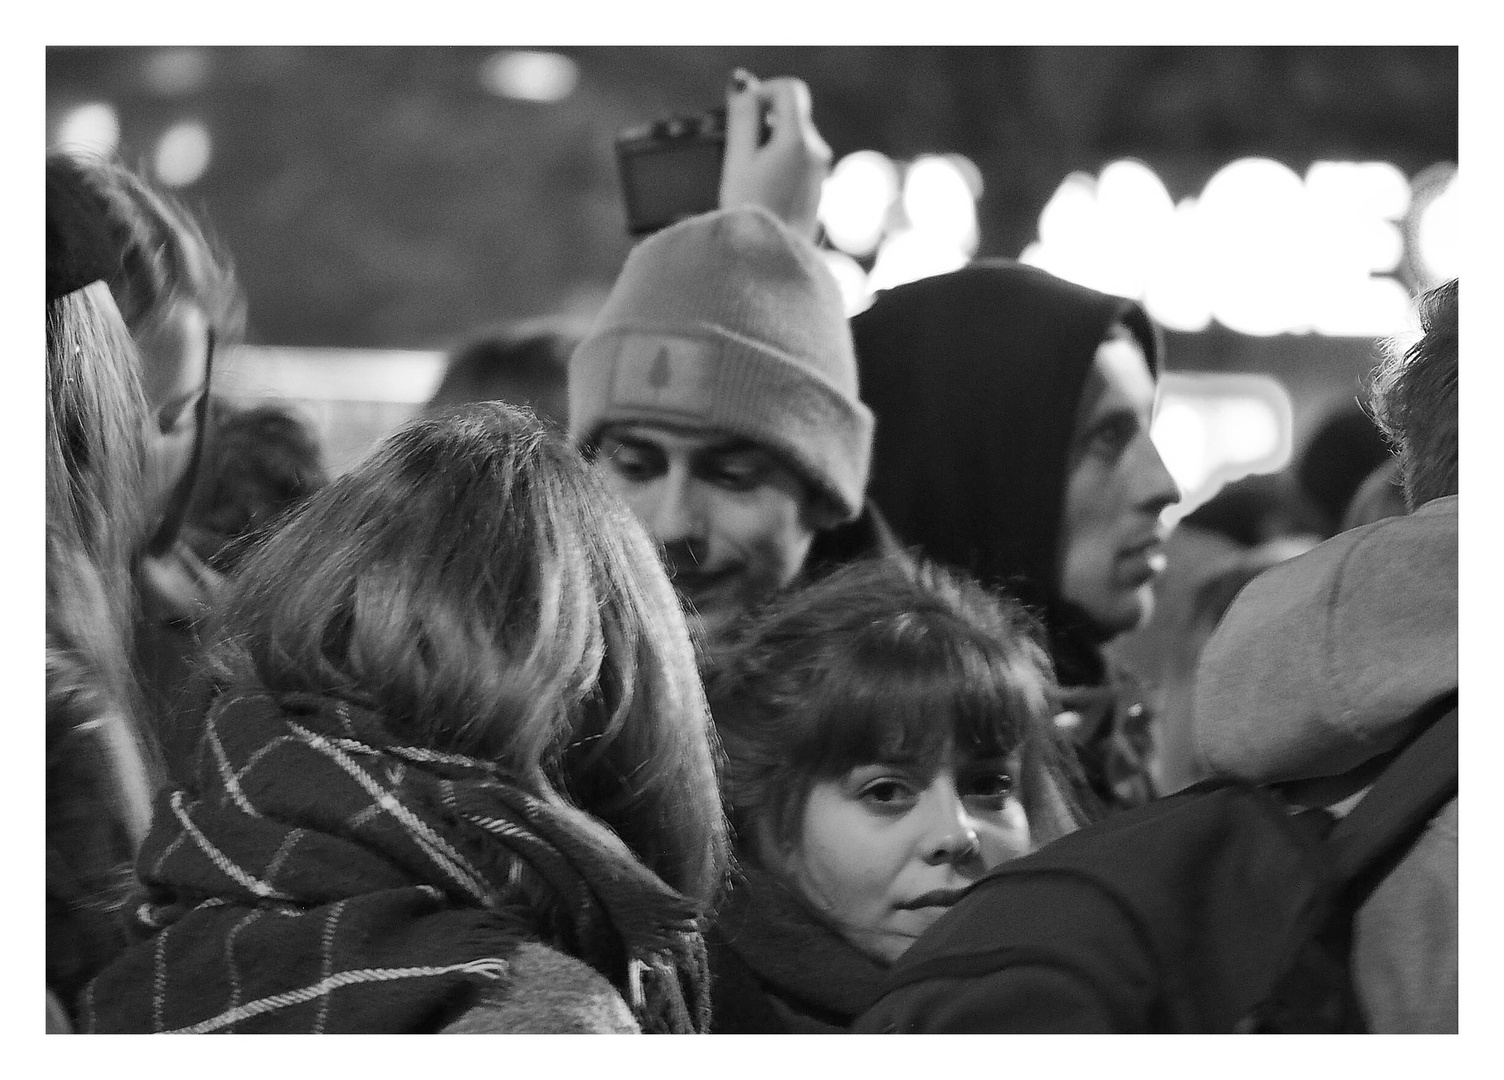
(1318, 669)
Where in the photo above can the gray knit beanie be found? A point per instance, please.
(730, 321)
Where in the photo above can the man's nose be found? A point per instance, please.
(1154, 487)
(677, 514)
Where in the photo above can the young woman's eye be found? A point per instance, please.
(887, 794)
(992, 789)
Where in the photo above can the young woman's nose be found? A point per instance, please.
(951, 835)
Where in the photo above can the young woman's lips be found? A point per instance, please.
(935, 898)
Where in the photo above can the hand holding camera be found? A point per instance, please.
(784, 171)
(762, 149)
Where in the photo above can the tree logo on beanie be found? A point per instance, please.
(662, 372)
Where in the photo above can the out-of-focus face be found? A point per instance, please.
(174, 368)
(734, 521)
(884, 850)
(1111, 537)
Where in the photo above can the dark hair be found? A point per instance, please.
(885, 659)
(160, 256)
(1340, 454)
(1413, 397)
(165, 254)
(475, 583)
(260, 463)
(526, 364)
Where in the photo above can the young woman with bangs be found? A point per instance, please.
(889, 740)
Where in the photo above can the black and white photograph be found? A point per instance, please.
(775, 539)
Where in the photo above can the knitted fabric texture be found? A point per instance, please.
(331, 879)
(811, 976)
(730, 322)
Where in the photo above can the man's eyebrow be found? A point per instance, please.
(627, 438)
(735, 446)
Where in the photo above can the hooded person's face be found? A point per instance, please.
(1111, 537)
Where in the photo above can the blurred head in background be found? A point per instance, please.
(180, 300)
(1340, 455)
(525, 364)
(1414, 400)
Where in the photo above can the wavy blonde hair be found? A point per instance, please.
(479, 586)
(96, 417)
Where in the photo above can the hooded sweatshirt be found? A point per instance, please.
(975, 378)
(1317, 668)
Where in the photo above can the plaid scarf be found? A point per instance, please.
(328, 878)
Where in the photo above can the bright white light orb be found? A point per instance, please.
(939, 202)
(1176, 294)
(1182, 437)
(182, 153)
(1253, 213)
(856, 200)
(1436, 235)
(1069, 222)
(1247, 430)
(92, 128)
(910, 255)
(530, 76)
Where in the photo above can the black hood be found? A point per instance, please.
(975, 377)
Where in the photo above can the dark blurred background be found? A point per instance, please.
(385, 197)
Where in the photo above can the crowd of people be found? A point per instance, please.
(701, 695)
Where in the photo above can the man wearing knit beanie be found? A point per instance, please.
(718, 389)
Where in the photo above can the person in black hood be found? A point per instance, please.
(1012, 441)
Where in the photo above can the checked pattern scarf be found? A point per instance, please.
(327, 878)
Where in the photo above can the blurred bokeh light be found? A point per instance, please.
(92, 128)
(182, 154)
(530, 76)
(1212, 429)
(1261, 251)
(856, 201)
(177, 72)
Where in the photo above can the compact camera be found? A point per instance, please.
(671, 169)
